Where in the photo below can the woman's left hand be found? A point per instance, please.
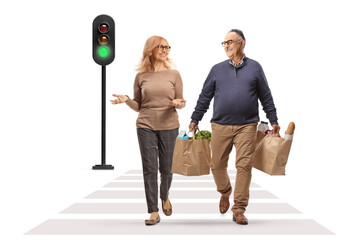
(176, 102)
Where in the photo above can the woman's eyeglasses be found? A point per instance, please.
(162, 47)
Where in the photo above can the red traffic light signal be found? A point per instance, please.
(104, 28)
(103, 40)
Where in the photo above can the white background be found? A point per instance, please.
(50, 97)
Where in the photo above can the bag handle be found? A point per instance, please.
(193, 132)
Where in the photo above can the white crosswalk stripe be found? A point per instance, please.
(119, 208)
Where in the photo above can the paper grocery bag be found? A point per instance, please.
(191, 157)
(271, 155)
(259, 137)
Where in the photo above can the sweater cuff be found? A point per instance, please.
(274, 123)
(132, 104)
(195, 121)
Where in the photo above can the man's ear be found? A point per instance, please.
(242, 43)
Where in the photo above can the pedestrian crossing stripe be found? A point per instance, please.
(119, 208)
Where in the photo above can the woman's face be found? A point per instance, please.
(161, 53)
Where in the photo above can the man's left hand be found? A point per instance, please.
(275, 129)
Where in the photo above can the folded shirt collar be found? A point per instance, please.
(241, 63)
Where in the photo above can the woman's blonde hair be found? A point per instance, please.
(147, 62)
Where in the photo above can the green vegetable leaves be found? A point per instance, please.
(203, 135)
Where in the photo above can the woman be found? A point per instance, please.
(158, 91)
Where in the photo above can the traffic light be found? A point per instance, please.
(103, 54)
(103, 40)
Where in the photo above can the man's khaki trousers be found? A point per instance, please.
(243, 138)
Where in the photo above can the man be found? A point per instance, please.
(236, 85)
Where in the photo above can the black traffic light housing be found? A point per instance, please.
(103, 40)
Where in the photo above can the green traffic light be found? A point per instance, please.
(104, 52)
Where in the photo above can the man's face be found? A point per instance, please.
(234, 48)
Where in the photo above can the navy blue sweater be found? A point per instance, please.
(236, 92)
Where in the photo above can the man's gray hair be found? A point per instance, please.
(239, 33)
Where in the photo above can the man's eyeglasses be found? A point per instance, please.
(228, 42)
(162, 47)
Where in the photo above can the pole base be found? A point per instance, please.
(103, 167)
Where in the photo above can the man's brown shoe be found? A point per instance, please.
(224, 204)
(239, 218)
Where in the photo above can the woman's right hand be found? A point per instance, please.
(119, 99)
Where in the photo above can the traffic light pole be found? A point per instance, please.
(103, 165)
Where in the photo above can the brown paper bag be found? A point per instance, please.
(259, 137)
(271, 155)
(191, 157)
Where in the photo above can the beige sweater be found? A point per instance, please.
(152, 93)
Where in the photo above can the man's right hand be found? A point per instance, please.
(193, 127)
